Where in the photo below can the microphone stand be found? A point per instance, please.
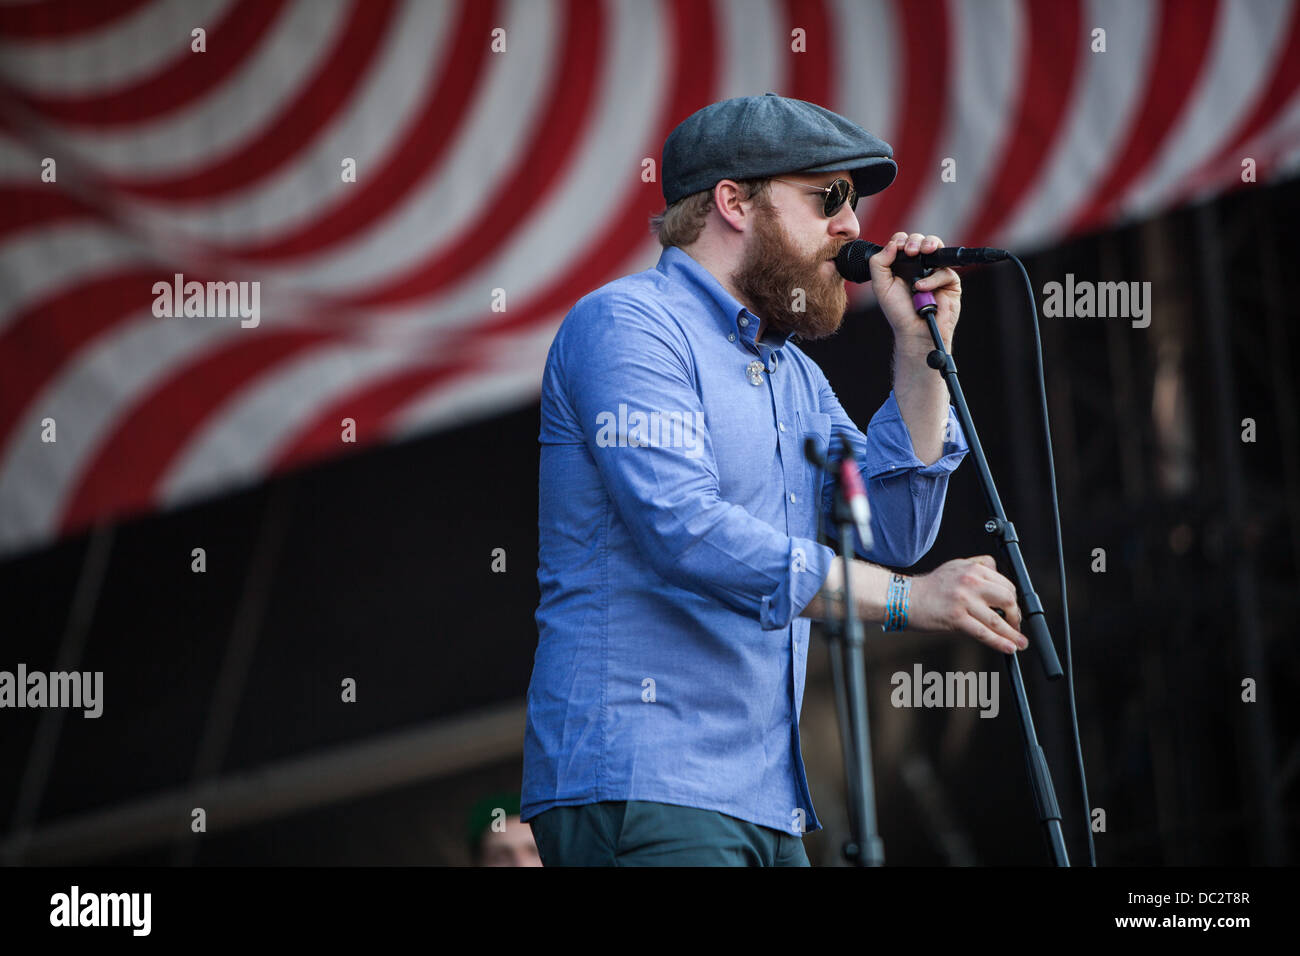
(1040, 779)
(845, 638)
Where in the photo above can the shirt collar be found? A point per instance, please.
(733, 318)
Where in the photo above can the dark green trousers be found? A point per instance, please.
(639, 833)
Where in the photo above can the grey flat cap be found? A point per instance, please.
(753, 137)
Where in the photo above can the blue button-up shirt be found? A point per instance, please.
(678, 520)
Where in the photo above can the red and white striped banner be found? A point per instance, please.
(498, 149)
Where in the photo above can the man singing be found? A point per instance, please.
(679, 564)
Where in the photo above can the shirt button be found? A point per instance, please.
(781, 425)
(731, 336)
(743, 322)
(792, 498)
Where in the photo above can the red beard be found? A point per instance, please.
(772, 269)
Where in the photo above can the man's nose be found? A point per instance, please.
(844, 224)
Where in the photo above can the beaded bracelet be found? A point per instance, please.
(896, 601)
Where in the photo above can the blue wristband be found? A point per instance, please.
(896, 603)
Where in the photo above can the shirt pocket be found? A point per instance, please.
(817, 426)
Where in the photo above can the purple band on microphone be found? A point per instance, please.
(921, 299)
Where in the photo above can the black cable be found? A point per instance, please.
(1060, 562)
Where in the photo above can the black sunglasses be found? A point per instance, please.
(837, 194)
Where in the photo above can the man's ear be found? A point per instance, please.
(734, 211)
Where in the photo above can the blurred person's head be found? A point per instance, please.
(497, 837)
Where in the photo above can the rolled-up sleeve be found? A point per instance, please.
(905, 495)
(624, 370)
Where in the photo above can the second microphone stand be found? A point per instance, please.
(846, 639)
(1040, 779)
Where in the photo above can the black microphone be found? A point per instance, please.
(852, 258)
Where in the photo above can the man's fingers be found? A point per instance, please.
(1006, 628)
(887, 254)
(985, 634)
(1012, 610)
(1000, 592)
(937, 280)
(985, 606)
(912, 243)
(987, 571)
(999, 600)
(996, 623)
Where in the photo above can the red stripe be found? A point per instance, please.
(61, 18)
(42, 339)
(925, 54)
(1050, 66)
(371, 407)
(28, 206)
(1182, 36)
(554, 141)
(1225, 165)
(693, 69)
(338, 74)
(416, 156)
(185, 78)
(124, 472)
(810, 76)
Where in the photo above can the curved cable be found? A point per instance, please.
(1060, 559)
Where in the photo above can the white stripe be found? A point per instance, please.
(512, 379)
(240, 446)
(978, 116)
(1244, 49)
(40, 263)
(256, 428)
(368, 129)
(744, 27)
(1281, 140)
(865, 85)
(1276, 148)
(20, 164)
(1108, 91)
(867, 89)
(86, 401)
(1288, 160)
(117, 55)
(227, 115)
